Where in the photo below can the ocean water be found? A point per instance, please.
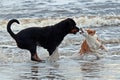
(100, 15)
(57, 8)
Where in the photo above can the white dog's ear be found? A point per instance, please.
(94, 31)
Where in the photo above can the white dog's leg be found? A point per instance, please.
(82, 56)
(97, 55)
(77, 56)
(103, 47)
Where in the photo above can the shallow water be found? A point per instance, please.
(15, 63)
(101, 15)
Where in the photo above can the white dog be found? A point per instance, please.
(91, 43)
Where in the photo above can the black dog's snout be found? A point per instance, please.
(77, 28)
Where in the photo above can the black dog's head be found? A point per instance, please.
(70, 26)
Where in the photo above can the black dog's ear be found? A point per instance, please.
(71, 21)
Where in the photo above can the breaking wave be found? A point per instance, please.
(83, 21)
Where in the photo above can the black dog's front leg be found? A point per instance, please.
(54, 55)
(51, 51)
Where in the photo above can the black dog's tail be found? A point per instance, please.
(9, 27)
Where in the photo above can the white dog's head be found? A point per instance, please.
(91, 32)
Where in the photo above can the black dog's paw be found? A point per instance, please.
(41, 61)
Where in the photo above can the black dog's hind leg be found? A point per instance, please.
(34, 56)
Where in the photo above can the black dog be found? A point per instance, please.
(48, 37)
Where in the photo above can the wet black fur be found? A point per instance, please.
(48, 37)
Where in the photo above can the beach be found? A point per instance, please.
(100, 15)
